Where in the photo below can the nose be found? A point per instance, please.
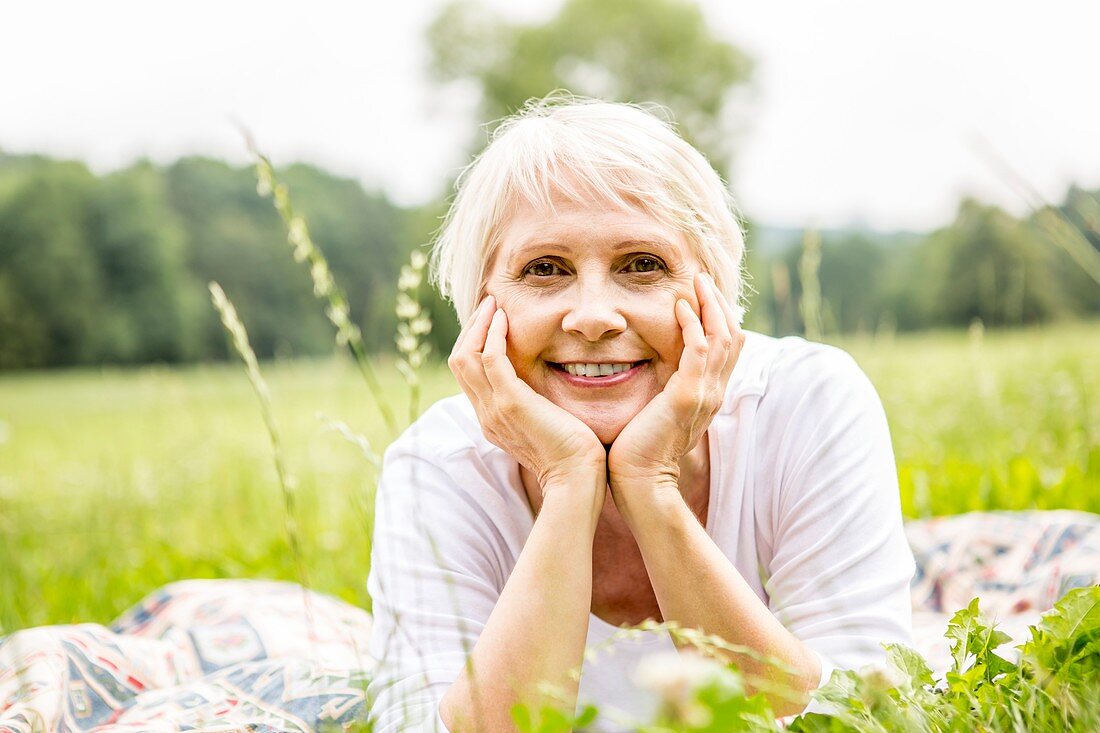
(593, 313)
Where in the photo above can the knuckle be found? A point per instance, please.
(461, 362)
(725, 342)
(700, 349)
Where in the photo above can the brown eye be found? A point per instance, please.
(645, 263)
(543, 268)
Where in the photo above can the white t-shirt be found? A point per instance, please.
(803, 501)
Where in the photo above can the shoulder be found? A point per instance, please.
(786, 372)
(446, 431)
(444, 454)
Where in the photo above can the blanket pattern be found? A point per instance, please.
(211, 655)
(267, 657)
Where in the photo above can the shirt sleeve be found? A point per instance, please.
(840, 567)
(434, 580)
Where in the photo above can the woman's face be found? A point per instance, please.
(593, 284)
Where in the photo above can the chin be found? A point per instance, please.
(606, 426)
(607, 432)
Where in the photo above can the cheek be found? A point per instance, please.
(530, 329)
(656, 324)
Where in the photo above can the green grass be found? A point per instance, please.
(115, 482)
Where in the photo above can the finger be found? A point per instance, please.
(737, 333)
(715, 325)
(693, 360)
(465, 360)
(471, 378)
(476, 317)
(498, 368)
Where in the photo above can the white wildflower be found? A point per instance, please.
(407, 372)
(263, 180)
(882, 677)
(407, 308)
(282, 196)
(676, 675)
(296, 231)
(409, 278)
(322, 278)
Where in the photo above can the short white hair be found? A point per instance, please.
(585, 149)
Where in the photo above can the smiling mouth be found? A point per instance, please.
(596, 370)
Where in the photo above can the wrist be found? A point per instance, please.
(580, 493)
(587, 471)
(642, 498)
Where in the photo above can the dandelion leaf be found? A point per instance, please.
(1076, 615)
(909, 663)
(973, 641)
(1068, 636)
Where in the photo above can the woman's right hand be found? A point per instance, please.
(545, 439)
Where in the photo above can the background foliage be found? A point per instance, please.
(112, 269)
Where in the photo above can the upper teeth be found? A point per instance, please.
(595, 370)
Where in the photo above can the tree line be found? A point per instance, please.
(986, 265)
(113, 269)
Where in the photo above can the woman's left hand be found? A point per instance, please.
(647, 452)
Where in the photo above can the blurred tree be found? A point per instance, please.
(365, 239)
(620, 50)
(236, 238)
(50, 285)
(1082, 209)
(987, 265)
(152, 304)
(850, 275)
(114, 269)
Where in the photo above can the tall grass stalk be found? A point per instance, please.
(287, 482)
(413, 324)
(810, 303)
(1051, 221)
(324, 286)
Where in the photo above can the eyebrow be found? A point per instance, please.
(519, 253)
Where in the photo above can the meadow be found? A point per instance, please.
(116, 481)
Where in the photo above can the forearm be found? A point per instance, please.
(698, 587)
(538, 627)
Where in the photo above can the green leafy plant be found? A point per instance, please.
(1053, 686)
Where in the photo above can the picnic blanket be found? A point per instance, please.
(262, 656)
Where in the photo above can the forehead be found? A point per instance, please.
(586, 226)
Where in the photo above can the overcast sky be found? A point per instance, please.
(861, 112)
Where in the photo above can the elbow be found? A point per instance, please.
(466, 710)
(789, 690)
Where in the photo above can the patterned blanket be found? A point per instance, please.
(260, 656)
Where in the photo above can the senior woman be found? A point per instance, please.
(622, 450)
